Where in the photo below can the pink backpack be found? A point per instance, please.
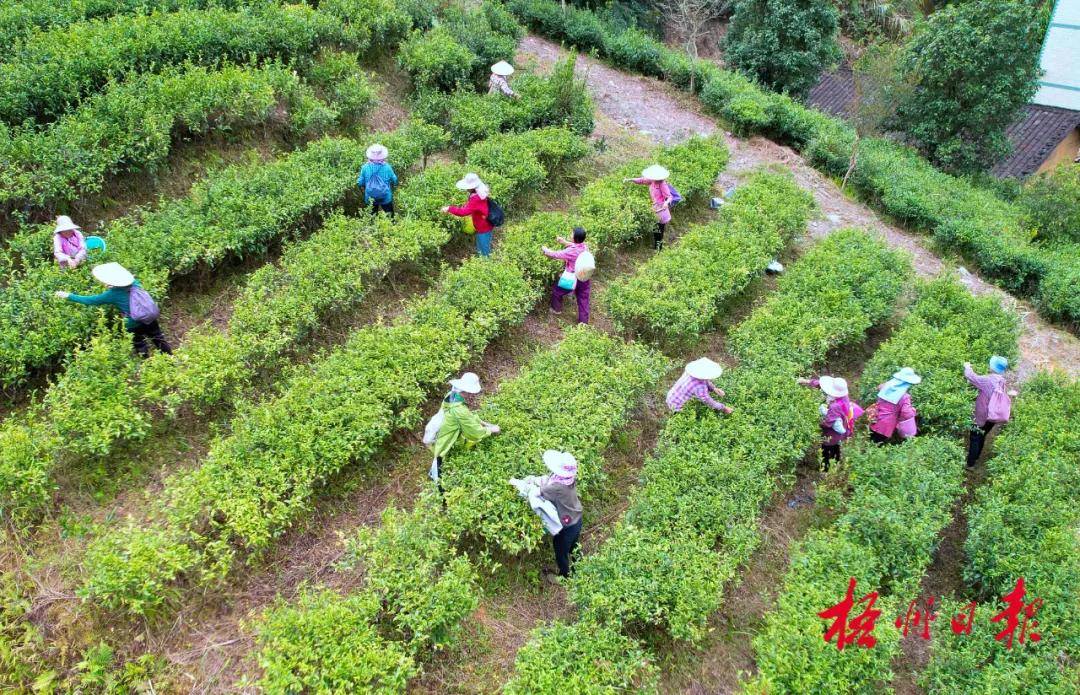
(1000, 406)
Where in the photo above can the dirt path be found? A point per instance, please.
(667, 115)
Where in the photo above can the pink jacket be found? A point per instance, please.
(73, 249)
(986, 385)
(660, 193)
(569, 254)
(888, 414)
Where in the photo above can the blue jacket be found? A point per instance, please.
(385, 171)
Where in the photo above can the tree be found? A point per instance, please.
(688, 19)
(785, 44)
(973, 66)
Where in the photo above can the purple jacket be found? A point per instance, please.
(986, 385)
(888, 414)
(839, 409)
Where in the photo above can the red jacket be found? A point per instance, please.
(477, 208)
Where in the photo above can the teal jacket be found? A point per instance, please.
(119, 297)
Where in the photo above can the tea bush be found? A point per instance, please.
(236, 211)
(292, 639)
(694, 520)
(130, 125)
(946, 327)
(1051, 203)
(254, 482)
(344, 84)
(280, 305)
(824, 301)
(19, 18)
(48, 73)
(988, 231)
(1022, 524)
(678, 292)
(458, 52)
(559, 99)
(901, 499)
(436, 60)
(581, 658)
(392, 551)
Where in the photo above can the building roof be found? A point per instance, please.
(1034, 135)
(1060, 58)
(834, 93)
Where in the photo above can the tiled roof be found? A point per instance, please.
(834, 93)
(1034, 135)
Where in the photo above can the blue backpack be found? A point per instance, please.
(377, 188)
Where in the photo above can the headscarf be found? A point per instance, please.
(998, 364)
(483, 191)
(563, 479)
(373, 160)
(893, 390)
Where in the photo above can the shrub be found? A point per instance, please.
(581, 658)
(53, 69)
(436, 60)
(1023, 524)
(336, 411)
(993, 44)
(822, 303)
(1051, 202)
(1059, 290)
(348, 89)
(24, 470)
(885, 540)
(957, 212)
(325, 643)
(677, 293)
(235, 211)
(130, 126)
(785, 45)
(946, 327)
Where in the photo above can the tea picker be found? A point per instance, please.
(696, 383)
(838, 415)
(993, 405)
(135, 304)
(893, 413)
(555, 500)
(455, 421)
(663, 196)
(579, 266)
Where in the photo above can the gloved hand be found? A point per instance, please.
(60, 294)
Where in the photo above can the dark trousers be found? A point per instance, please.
(581, 292)
(830, 452)
(658, 235)
(975, 446)
(564, 543)
(388, 208)
(877, 438)
(151, 330)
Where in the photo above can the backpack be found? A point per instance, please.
(141, 306)
(676, 197)
(496, 215)
(377, 188)
(585, 266)
(1000, 407)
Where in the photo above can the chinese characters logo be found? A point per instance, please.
(1018, 619)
